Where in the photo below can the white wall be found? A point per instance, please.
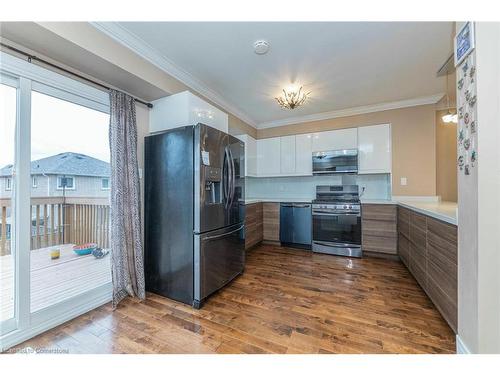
(479, 209)
(488, 107)
(377, 186)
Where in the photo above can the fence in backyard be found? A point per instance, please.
(58, 220)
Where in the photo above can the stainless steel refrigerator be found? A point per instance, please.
(194, 212)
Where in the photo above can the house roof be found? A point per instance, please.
(66, 163)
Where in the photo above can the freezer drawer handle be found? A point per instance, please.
(223, 234)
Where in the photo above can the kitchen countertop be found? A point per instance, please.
(445, 211)
(378, 201)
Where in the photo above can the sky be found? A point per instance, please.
(56, 126)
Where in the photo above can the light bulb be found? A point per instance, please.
(447, 118)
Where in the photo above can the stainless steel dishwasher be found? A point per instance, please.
(296, 224)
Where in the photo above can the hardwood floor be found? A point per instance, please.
(287, 301)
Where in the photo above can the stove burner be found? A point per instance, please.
(337, 194)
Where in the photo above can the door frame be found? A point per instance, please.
(29, 77)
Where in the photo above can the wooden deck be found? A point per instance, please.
(53, 281)
(287, 301)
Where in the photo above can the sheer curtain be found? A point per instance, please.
(127, 255)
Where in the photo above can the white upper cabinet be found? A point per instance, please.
(342, 139)
(185, 109)
(303, 154)
(292, 155)
(250, 154)
(374, 149)
(287, 155)
(269, 157)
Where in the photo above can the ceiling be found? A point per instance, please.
(343, 64)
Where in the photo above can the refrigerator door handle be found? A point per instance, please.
(233, 178)
(225, 178)
(231, 175)
(223, 234)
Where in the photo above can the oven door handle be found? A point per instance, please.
(336, 244)
(322, 213)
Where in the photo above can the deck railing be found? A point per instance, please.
(58, 220)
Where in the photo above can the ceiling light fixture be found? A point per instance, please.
(449, 117)
(292, 97)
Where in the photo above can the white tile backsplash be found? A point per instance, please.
(377, 186)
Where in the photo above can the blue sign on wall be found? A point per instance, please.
(464, 42)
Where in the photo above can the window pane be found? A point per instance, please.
(69, 157)
(8, 99)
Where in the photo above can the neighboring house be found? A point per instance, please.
(69, 174)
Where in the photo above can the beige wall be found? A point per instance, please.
(237, 127)
(413, 143)
(446, 158)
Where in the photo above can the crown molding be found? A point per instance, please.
(143, 49)
(432, 99)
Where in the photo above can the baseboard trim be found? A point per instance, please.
(461, 347)
(373, 254)
(271, 243)
(255, 245)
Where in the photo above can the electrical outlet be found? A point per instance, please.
(404, 181)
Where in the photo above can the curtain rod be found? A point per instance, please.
(35, 58)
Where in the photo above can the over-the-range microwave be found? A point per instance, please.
(337, 161)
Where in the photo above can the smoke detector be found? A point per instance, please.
(261, 47)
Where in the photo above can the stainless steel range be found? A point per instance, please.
(336, 213)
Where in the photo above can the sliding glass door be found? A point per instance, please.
(54, 199)
(8, 112)
(69, 200)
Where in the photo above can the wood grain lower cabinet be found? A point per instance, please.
(253, 224)
(428, 248)
(442, 269)
(418, 248)
(379, 228)
(271, 221)
(404, 249)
